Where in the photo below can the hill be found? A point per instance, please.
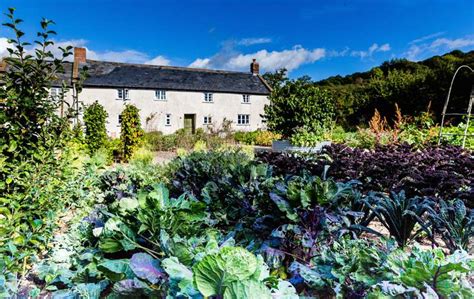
(412, 85)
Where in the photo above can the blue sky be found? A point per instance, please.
(315, 38)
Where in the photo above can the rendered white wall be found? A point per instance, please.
(177, 103)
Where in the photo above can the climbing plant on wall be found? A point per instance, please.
(131, 132)
(95, 117)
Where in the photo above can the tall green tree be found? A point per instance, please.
(95, 118)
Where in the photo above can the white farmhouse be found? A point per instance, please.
(171, 98)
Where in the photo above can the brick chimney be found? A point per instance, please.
(3, 66)
(79, 58)
(254, 67)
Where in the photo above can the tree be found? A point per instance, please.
(31, 129)
(276, 79)
(34, 158)
(299, 104)
(95, 117)
(131, 132)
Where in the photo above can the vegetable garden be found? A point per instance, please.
(391, 220)
(226, 224)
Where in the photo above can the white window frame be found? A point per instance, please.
(168, 119)
(160, 95)
(123, 94)
(207, 120)
(243, 119)
(55, 92)
(245, 99)
(208, 97)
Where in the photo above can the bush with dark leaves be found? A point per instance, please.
(434, 171)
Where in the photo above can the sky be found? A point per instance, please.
(314, 38)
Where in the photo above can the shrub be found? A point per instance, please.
(142, 156)
(258, 137)
(114, 150)
(160, 142)
(265, 138)
(245, 137)
(95, 117)
(438, 172)
(131, 132)
(299, 104)
(303, 137)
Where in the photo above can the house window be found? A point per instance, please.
(207, 120)
(208, 97)
(246, 98)
(122, 94)
(243, 119)
(168, 120)
(55, 92)
(160, 95)
(119, 120)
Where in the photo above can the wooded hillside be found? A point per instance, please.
(412, 85)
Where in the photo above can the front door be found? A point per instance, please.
(189, 123)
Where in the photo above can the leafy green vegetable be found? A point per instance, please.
(131, 287)
(427, 270)
(181, 278)
(215, 273)
(348, 267)
(116, 270)
(250, 289)
(455, 222)
(399, 214)
(146, 267)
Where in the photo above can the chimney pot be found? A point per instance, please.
(254, 67)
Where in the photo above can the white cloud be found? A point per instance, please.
(426, 37)
(128, 56)
(413, 52)
(159, 60)
(384, 48)
(269, 60)
(438, 46)
(371, 50)
(254, 41)
(201, 63)
(335, 53)
(452, 44)
(3, 46)
(289, 59)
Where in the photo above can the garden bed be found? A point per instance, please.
(263, 229)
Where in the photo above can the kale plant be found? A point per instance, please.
(455, 222)
(399, 214)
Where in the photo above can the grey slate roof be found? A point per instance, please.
(140, 76)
